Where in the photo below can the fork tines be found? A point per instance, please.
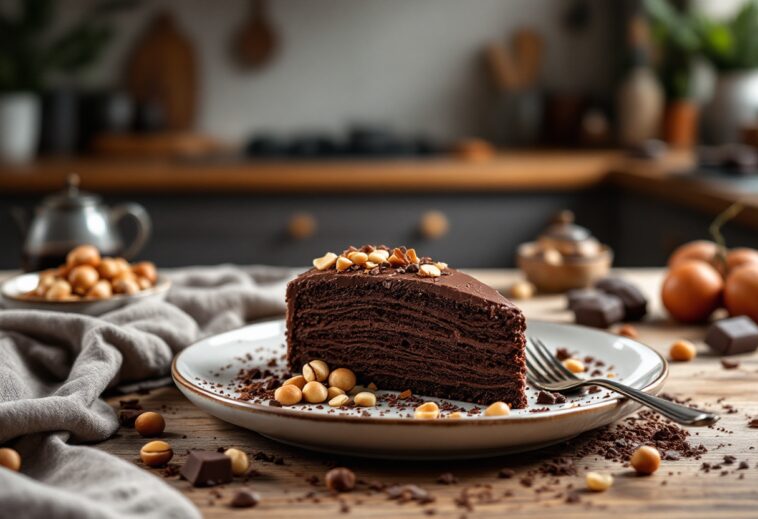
(542, 366)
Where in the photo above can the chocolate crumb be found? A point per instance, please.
(506, 473)
(447, 479)
(245, 499)
(730, 364)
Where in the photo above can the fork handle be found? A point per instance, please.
(676, 412)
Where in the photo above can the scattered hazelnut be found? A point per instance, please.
(522, 290)
(288, 395)
(574, 365)
(333, 391)
(429, 271)
(59, 291)
(326, 261)
(343, 263)
(379, 256)
(682, 351)
(146, 269)
(315, 392)
(441, 265)
(427, 411)
(358, 257)
(342, 378)
(339, 400)
(100, 290)
(240, 461)
(297, 380)
(10, 459)
(645, 460)
(397, 258)
(317, 370)
(372, 387)
(156, 453)
(365, 399)
(83, 255)
(627, 330)
(82, 278)
(455, 415)
(497, 409)
(598, 482)
(150, 424)
(370, 265)
(340, 479)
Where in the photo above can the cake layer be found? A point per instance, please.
(449, 337)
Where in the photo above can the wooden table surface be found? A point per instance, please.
(678, 489)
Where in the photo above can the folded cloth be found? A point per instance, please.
(55, 366)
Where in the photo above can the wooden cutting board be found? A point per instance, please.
(162, 69)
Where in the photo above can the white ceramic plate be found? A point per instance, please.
(205, 373)
(14, 288)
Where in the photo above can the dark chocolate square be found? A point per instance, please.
(207, 468)
(635, 302)
(733, 336)
(600, 312)
(577, 295)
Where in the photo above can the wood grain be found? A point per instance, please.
(679, 489)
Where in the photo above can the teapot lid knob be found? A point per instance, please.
(72, 183)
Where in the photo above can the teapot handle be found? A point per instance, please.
(144, 226)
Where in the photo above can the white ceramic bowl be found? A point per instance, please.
(13, 291)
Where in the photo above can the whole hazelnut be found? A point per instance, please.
(342, 378)
(144, 283)
(427, 411)
(340, 479)
(316, 370)
(156, 453)
(522, 290)
(598, 482)
(645, 460)
(497, 409)
(682, 351)
(288, 395)
(627, 330)
(101, 290)
(10, 459)
(365, 399)
(333, 391)
(82, 278)
(109, 268)
(240, 461)
(297, 380)
(83, 255)
(315, 392)
(150, 424)
(146, 269)
(125, 286)
(574, 365)
(59, 291)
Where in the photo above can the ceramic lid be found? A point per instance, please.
(564, 229)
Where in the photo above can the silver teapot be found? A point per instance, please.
(72, 217)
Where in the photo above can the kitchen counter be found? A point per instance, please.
(679, 489)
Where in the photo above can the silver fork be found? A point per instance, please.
(546, 372)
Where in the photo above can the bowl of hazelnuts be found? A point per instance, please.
(87, 283)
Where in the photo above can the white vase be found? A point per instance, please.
(19, 126)
(733, 106)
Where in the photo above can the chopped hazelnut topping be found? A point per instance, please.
(343, 263)
(326, 261)
(358, 258)
(429, 271)
(379, 256)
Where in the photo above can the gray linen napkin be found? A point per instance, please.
(55, 366)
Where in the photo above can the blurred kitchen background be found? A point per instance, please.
(253, 131)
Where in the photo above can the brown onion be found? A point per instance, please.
(692, 291)
(741, 291)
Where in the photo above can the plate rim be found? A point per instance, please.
(279, 412)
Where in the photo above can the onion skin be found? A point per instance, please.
(702, 250)
(691, 291)
(741, 291)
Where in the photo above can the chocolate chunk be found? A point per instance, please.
(600, 312)
(634, 301)
(545, 398)
(506, 473)
(733, 336)
(447, 478)
(127, 417)
(730, 364)
(207, 468)
(340, 479)
(753, 424)
(577, 295)
(245, 499)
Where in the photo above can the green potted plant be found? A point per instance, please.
(732, 47)
(678, 41)
(29, 55)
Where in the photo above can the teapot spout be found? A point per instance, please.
(21, 217)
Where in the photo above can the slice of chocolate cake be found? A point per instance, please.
(405, 322)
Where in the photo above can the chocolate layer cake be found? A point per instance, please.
(405, 322)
